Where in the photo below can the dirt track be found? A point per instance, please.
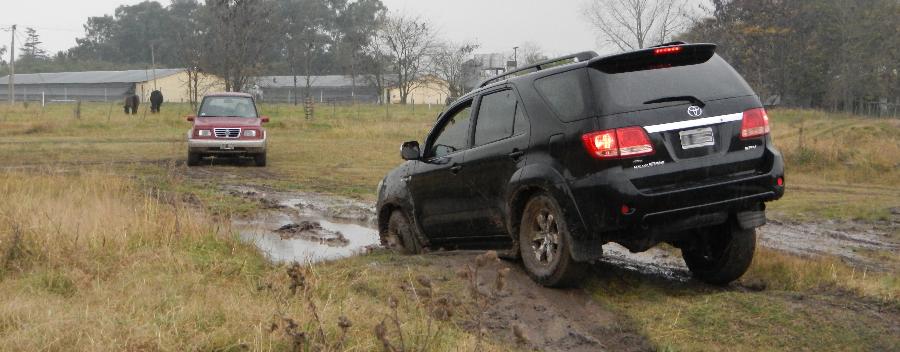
(550, 319)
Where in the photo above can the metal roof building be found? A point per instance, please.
(99, 85)
(335, 88)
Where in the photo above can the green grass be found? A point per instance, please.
(93, 260)
(840, 167)
(120, 246)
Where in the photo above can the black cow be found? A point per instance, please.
(132, 102)
(156, 100)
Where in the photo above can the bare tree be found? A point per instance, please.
(377, 62)
(452, 62)
(409, 41)
(636, 24)
(238, 35)
(531, 53)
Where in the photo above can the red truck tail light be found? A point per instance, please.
(625, 142)
(755, 123)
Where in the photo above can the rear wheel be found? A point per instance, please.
(721, 254)
(544, 244)
(260, 159)
(193, 159)
(400, 235)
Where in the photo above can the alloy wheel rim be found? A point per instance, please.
(545, 237)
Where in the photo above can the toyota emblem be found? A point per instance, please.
(695, 111)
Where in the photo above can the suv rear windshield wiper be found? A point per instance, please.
(689, 98)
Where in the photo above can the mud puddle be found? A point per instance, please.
(306, 227)
(853, 242)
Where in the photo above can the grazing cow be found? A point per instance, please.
(156, 100)
(132, 101)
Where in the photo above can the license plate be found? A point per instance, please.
(697, 138)
(226, 147)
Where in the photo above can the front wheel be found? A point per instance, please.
(193, 159)
(721, 254)
(400, 236)
(544, 244)
(260, 159)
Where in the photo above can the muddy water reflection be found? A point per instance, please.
(356, 236)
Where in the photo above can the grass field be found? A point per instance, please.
(106, 244)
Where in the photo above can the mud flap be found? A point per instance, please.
(751, 219)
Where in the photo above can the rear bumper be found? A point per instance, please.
(227, 147)
(602, 200)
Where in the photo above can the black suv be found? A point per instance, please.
(666, 144)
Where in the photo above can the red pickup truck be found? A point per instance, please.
(227, 124)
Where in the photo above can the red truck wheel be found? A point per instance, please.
(260, 159)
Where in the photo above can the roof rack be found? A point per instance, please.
(580, 57)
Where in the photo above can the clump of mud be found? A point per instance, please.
(341, 210)
(312, 231)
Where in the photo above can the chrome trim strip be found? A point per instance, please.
(680, 125)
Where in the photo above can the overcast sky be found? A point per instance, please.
(498, 25)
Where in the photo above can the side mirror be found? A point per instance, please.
(191, 118)
(264, 119)
(410, 151)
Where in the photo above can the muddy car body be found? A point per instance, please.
(227, 124)
(663, 145)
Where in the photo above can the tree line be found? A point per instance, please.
(832, 54)
(242, 39)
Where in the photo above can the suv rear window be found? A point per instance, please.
(624, 92)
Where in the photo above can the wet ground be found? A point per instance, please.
(313, 227)
(306, 227)
(309, 227)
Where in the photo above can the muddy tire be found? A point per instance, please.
(721, 255)
(544, 244)
(193, 159)
(259, 160)
(400, 235)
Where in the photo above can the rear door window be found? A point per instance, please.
(454, 134)
(565, 93)
(496, 117)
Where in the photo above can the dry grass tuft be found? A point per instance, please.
(775, 270)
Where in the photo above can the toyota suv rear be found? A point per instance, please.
(663, 145)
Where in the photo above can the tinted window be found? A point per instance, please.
(228, 106)
(496, 116)
(454, 134)
(564, 92)
(623, 92)
(521, 125)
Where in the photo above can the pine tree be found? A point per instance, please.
(32, 50)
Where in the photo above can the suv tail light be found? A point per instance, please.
(755, 123)
(617, 143)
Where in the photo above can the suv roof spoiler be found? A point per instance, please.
(579, 57)
(661, 56)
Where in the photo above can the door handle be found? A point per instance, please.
(516, 154)
(455, 169)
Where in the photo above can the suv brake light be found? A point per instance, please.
(755, 123)
(667, 50)
(617, 143)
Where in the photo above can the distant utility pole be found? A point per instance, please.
(516, 55)
(12, 67)
(153, 63)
